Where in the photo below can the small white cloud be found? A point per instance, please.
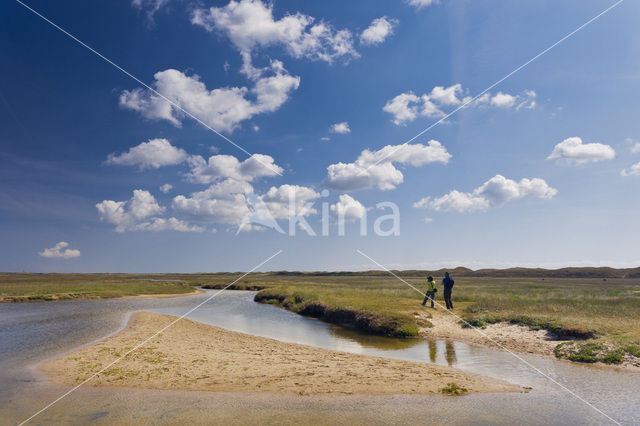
(348, 208)
(376, 168)
(573, 151)
(632, 171)
(153, 154)
(378, 31)
(529, 101)
(170, 224)
(214, 149)
(418, 4)
(403, 107)
(635, 145)
(325, 138)
(462, 202)
(166, 188)
(299, 150)
(149, 6)
(427, 220)
(60, 251)
(493, 193)
(340, 128)
(503, 100)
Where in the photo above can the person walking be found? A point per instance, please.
(448, 282)
(431, 291)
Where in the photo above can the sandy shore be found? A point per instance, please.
(194, 356)
(513, 337)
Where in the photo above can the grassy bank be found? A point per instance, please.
(593, 310)
(366, 313)
(51, 287)
(579, 308)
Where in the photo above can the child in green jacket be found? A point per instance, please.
(431, 291)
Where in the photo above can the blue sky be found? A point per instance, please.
(538, 172)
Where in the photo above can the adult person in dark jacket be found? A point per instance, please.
(448, 282)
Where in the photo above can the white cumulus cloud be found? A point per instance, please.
(219, 167)
(495, 192)
(341, 128)
(233, 202)
(503, 100)
(348, 208)
(224, 202)
(406, 107)
(222, 109)
(376, 168)
(378, 31)
(150, 155)
(139, 213)
(59, 251)
(574, 151)
(462, 202)
(287, 199)
(166, 188)
(250, 24)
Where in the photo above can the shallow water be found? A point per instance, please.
(36, 331)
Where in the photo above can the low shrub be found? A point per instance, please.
(614, 357)
(633, 350)
(453, 389)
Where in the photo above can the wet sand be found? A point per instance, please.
(513, 337)
(194, 356)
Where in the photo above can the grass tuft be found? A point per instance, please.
(453, 389)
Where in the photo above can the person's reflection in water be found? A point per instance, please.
(433, 351)
(450, 353)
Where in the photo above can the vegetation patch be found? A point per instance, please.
(246, 286)
(633, 350)
(592, 352)
(52, 287)
(453, 389)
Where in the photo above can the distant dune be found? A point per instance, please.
(572, 272)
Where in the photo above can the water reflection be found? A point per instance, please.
(371, 341)
(433, 351)
(450, 353)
